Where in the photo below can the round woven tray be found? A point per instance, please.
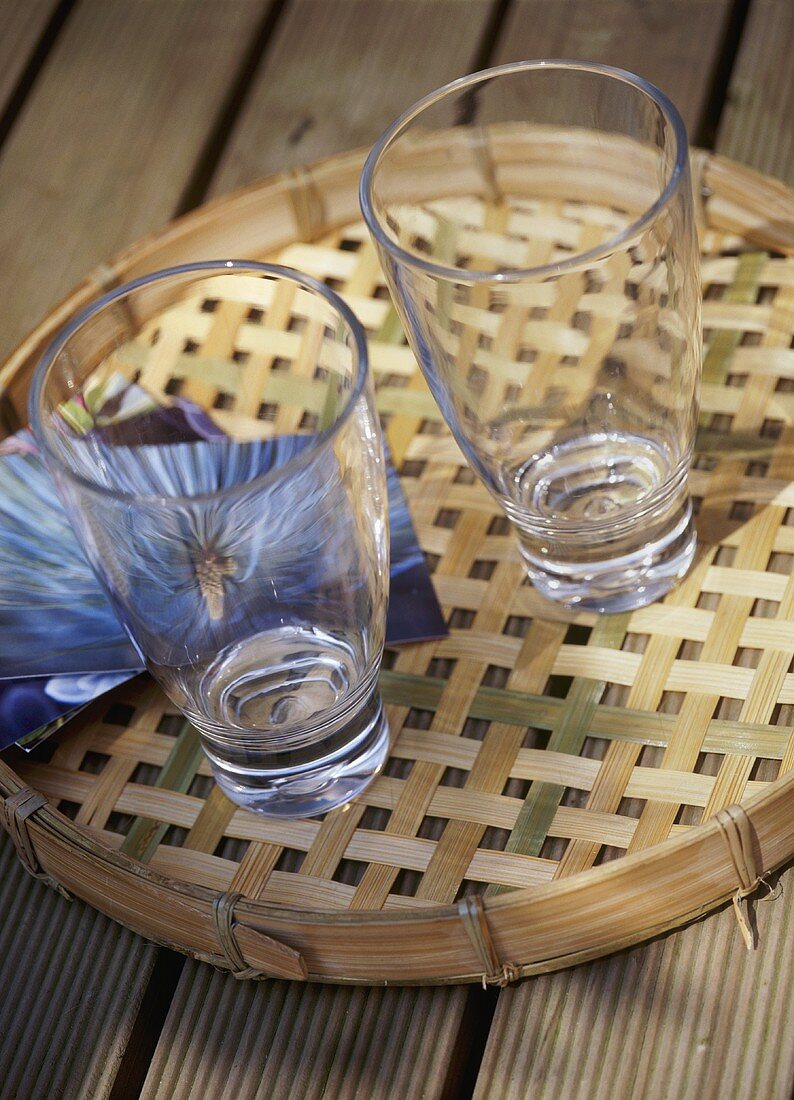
(533, 748)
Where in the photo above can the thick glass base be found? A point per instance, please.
(309, 789)
(621, 583)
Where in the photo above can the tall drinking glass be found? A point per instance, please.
(536, 229)
(212, 435)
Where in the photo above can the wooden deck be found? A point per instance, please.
(116, 115)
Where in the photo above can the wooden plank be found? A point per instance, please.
(108, 139)
(672, 43)
(692, 1016)
(334, 77)
(102, 152)
(72, 983)
(338, 73)
(756, 124)
(278, 1040)
(22, 23)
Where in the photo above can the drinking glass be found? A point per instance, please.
(535, 225)
(212, 435)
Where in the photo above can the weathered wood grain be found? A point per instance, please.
(278, 1040)
(22, 23)
(108, 138)
(672, 43)
(757, 125)
(71, 982)
(689, 1016)
(338, 73)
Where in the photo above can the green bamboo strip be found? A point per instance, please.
(743, 289)
(568, 736)
(178, 772)
(613, 723)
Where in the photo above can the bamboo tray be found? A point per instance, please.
(534, 748)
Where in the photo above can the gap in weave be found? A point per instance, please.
(651, 756)
(535, 738)
(453, 777)
(574, 799)
(441, 667)
(419, 719)
(516, 788)
(595, 748)
(289, 861)
(499, 525)
(174, 836)
(635, 643)
(413, 467)
(772, 429)
(785, 385)
(767, 609)
(170, 724)
(93, 762)
(689, 650)
(746, 658)
(577, 634)
(728, 710)
(482, 570)
(231, 848)
(689, 815)
(431, 561)
(496, 676)
(631, 807)
(349, 872)
(460, 618)
(516, 626)
(375, 818)
(118, 714)
(68, 808)
(557, 687)
(145, 775)
(432, 828)
(757, 468)
(615, 695)
(742, 510)
(708, 763)
(395, 768)
(406, 883)
(475, 729)
(494, 839)
(553, 848)
(119, 823)
(201, 787)
(765, 770)
(607, 854)
(447, 518)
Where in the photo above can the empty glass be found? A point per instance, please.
(212, 435)
(536, 229)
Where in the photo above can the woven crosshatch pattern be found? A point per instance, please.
(530, 744)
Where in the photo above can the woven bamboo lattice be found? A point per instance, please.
(534, 748)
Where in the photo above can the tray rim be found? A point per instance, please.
(49, 827)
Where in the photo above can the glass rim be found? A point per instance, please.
(513, 275)
(277, 271)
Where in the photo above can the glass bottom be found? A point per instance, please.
(622, 583)
(291, 720)
(604, 521)
(308, 791)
